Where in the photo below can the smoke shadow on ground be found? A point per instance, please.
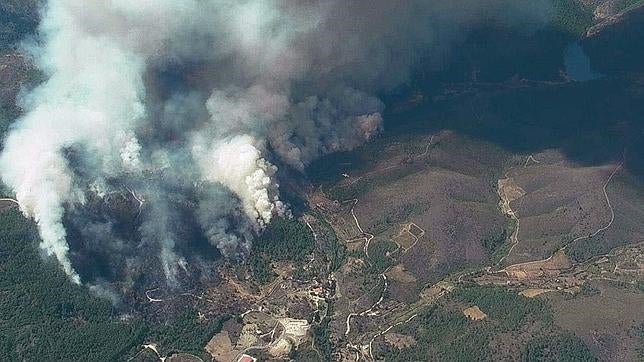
(107, 243)
(618, 47)
(592, 122)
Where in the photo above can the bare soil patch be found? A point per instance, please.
(508, 191)
(416, 231)
(295, 329)
(280, 349)
(405, 238)
(474, 313)
(533, 292)
(220, 347)
(541, 268)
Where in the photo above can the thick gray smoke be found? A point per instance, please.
(186, 102)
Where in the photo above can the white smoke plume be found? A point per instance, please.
(237, 164)
(178, 96)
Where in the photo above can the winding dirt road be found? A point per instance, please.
(565, 246)
(610, 208)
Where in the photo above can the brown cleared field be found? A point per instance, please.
(405, 239)
(416, 231)
(533, 292)
(220, 347)
(539, 269)
(474, 313)
(408, 235)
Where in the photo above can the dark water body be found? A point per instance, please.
(577, 64)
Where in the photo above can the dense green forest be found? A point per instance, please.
(562, 347)
(572, 16)
(44, 317)
(379, 255)
(284, 239)
(184, 333)
(17, 18)
(494, 242)
(321, 339)
(625, 5)
(443, 335)
(504, 306)
(640, 350)
(328, 247)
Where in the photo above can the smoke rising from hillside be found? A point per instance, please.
(191, 104)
